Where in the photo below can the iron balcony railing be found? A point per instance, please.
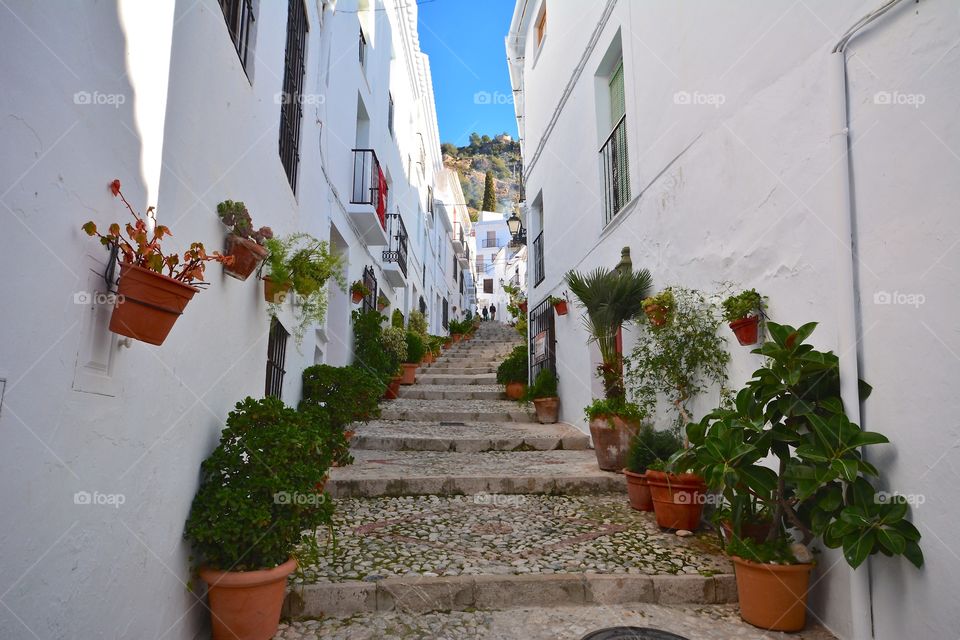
(538, 272)
(491, 242)
(396, 251)
(368, 181)
(616, 171)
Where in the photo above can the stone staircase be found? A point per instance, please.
(460, 500)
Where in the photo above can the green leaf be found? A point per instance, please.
(891, 540)
(866, 438)
(761, 479)
(856, 548)
(913, 553)
(847, 468)
(90, 228)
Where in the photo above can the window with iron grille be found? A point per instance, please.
(430, 200)
(291, 111)
(423, 306)
(390, 114)
(461, 283)
(543, 339)
(613, 153)
(488, 285)
(446, 319)
(538, 272)
(276, 359)
(363, 50)
(240, 16)
(370, 282)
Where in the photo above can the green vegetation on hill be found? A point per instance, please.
(498, 156)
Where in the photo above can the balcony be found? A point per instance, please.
(459, 244)
(395, 255)
(368, 198)
(464, 256)
(491, 243)
(616, 171)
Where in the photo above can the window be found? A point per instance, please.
(390, 114)
(239, 16)
(430, 200)
(363, 50)
(276, 358)
(370, 282)
(613, 153)
(541, 25)
(488, 285)
(446, 314)
(290, 110)
(480, 266)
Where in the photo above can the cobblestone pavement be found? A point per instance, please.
(465, 431)
(413, 405)
(714, 622)
(506, 534)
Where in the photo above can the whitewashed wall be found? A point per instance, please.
(729, 137)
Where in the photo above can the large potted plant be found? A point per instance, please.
(543, 393)
(303, 264)
(743, 312)
(150, 301)
(612, 298)
(513, 373)
(791, 412)
(244, 243)
(348, 395)
(414, 354)
(359, 291)
(369, 351)
(257, 510)
(393, 341)
(649, 448)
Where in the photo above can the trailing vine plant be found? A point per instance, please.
(680, 359)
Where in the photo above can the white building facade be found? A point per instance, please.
(710, 139)
(288, 106)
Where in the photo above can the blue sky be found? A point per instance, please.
(464, 39)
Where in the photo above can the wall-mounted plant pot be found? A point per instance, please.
(356, 296)
(246, 604)
(560, 307)
(274, 291)
(247, 256)
(773, 596)
(380, 307)
(393, 389)
(523, 306)
(677, 499)
(515, 390)
(409, 374)
(548, 409)
(638, 491)
(148, 304)
(656, 314)
(457, 337)
(747, 330)
(611, 440)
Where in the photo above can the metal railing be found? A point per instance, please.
(538, 272)
(458, 233)
(370, 282)
(396, 251)
(367, 181)
(616, 171)
(543, 339)
(491, 242)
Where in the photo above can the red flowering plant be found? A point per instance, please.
(143, 247)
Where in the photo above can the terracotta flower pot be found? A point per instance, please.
(428, 358)
(548, 409)
(523, 307)
(638, 491)
(457, 337)
(756, 531)
(448, 343)
(380, 307)
(247, 256)
(657, 314)
(273, 291)
(356, 296)
(677, 499)
(611, 440)
(246, 604)
(348, 434)
(773, 596)
(393, 389)
(409, 375)
(560, 307)
(515, 390)
(747, 330)
(148, 304)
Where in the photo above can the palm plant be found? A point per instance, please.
(611, 298)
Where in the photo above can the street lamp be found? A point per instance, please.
(515, 225)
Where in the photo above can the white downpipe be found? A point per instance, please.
(847, 300)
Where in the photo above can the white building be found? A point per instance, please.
(491, 238)
(461, 276)
(710, 138)
(162, 96)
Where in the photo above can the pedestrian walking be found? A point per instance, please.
(486, 314)
(493, 312)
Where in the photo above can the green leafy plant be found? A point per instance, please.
(791, 410)
(610, 407)
(382, 301)
(741, 305)
(236, 217)
(394, 342)
(396, 319)
(514, 367)
(555, 299)
(417, 322)
(544, 385)
(681, 359)
(305, 264)
(611, 299)
(436, 344)
(416, 348)
(777, 551)
(347, 394)
(258, 503)
(664, 300)
(518, 317)
(360, 288)
(650, 446)
(367, 345)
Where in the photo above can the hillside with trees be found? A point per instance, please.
(500, 158)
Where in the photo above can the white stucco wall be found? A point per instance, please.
(729, 146)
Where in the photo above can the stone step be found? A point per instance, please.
(699, 621)
(431, 378)
(494, 551)
(452, 392)
(398, 435)
(413, 473)
(458, 370)
(457, 411)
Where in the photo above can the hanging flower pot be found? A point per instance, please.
(523, 306)
(677, 499)
(656, 314)
(747, 330)
(274, 291)
(247, 256)
(148, 304)
(560, 307)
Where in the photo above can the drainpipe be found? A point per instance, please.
(848, 293)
